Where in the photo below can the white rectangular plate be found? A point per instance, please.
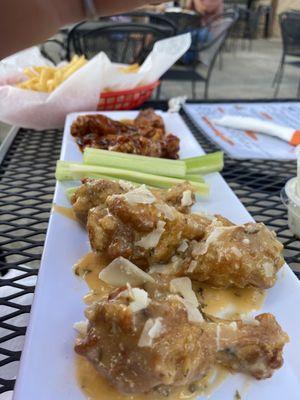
(47, 367)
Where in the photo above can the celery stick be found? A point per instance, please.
(212, 162)
(72, 171)
(133, 162)
(194, 178)
(130, 156)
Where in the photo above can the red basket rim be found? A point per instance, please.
(128, 91)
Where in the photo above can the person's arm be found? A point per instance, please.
(25, 23)
(189, 4)
(198, 6)
(211, 6)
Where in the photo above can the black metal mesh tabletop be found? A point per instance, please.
(26, 191)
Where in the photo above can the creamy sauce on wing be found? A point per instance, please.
(127, 121)
(226, 303)
(230, 302)
(65, 211)
(96, 387)
(88, 268)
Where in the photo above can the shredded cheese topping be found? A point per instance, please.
(152, 239)
(166, 210)
(122, 271)
(186, 199)
(140, 195)
(138, 298)
(153, 328)
(183, 286)
(81, 327)
(125, 185)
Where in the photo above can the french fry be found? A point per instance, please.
(76, 65)
(30, 73)
(46, 74)
(47, 79)
(50, 85)
(129, 69)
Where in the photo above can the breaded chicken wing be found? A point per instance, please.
(246, 255)
(154, 231)
(141, 348)
(94, 192)
(211, 250)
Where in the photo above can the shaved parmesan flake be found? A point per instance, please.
(166, 210)
(140, 195)
(166, 269)
(151, 240)
(193, 313)
(122, 271)
(217, 232)
(184, 287)
(138, 298)
(199, 248)
(186, 199)
(183, 246)
(236, 252)
(130, 292)
(125, 185)
(248, 318)
(192, 266)
(81, 327)
(233, 325)
(152, 329)
(268, 269)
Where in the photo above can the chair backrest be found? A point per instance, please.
(142, 17)
(247, 23)
(183, 21)
(217, 31)
(290, 31)
(54, 50)
(72, 40)
(122, 42)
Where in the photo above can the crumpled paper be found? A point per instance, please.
(81, 91)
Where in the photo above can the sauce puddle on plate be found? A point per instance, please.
(230, 302)
(65, 211)
(88, 268)
(96, 387)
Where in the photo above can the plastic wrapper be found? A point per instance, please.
(82, 90)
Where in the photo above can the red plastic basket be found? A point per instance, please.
(126, 99)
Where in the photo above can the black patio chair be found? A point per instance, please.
(122, 42)
(54, 50)
(290, 33)
(246, 27)
(183, 21)
(142, 17)
(205, 54)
